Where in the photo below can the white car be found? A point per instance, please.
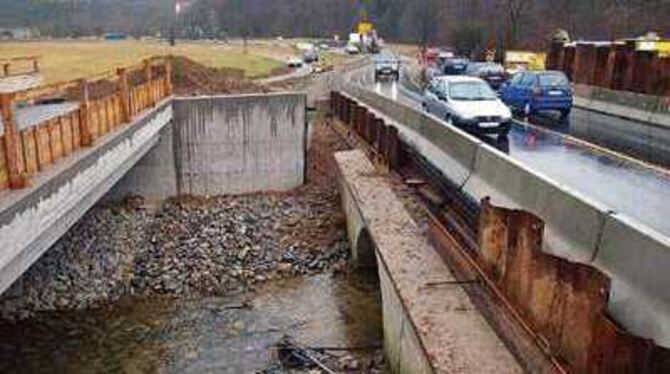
(294, 62)
(468, 103)
(352, 49)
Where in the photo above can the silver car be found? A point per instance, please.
(468, 103)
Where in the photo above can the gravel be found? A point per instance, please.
(191, 246)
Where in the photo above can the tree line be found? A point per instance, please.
(465, 24)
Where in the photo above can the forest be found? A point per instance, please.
(465, 24)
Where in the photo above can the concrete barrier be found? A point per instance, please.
(451, 150)
(643, 140)
(637, 259)
(577, 228)
(629, 122)
(573, 223)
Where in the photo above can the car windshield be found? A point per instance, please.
(471, 91)
(553, 80)
(493, 69)
(457, 61)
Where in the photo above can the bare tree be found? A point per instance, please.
(516, 10)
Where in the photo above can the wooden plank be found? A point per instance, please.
(55, 139)
(66, 129)
(76, 134)
(13, 156)
(30, 150)
(43, 146)
(93, 125)
(4, 173)
(118, 118)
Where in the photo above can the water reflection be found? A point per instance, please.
(197, 335)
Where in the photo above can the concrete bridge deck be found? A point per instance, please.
(33, 218)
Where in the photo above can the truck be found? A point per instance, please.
(365, 39)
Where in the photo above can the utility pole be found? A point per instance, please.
(178, 7)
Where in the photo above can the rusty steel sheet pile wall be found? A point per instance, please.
(565, 302)
(240, 144)
(577, 229)
(100, 105)
(619, 66)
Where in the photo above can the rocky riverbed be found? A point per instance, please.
(191, 245)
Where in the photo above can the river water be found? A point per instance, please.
(232, 334)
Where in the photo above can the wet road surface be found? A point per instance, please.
(625, 186)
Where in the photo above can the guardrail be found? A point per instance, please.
(21, 65)
(577, 229)
(100, 105)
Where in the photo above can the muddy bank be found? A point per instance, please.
(191, 246)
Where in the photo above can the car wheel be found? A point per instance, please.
(565, 113)
(527, 109)
(449, 119)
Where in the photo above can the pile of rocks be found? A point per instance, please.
(190, 245)
(224, 244)
(92, 262)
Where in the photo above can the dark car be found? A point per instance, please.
(454, 65)
(386, 66)
(310, 56)
(494, 74)
(535, 91)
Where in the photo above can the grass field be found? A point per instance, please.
(66, 60)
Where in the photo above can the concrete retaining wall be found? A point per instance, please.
(225, 145)
(31, 220)
(576, 227)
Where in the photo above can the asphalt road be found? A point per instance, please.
(625, 185)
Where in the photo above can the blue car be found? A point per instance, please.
(535, 91)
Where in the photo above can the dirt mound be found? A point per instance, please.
(192, 78)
